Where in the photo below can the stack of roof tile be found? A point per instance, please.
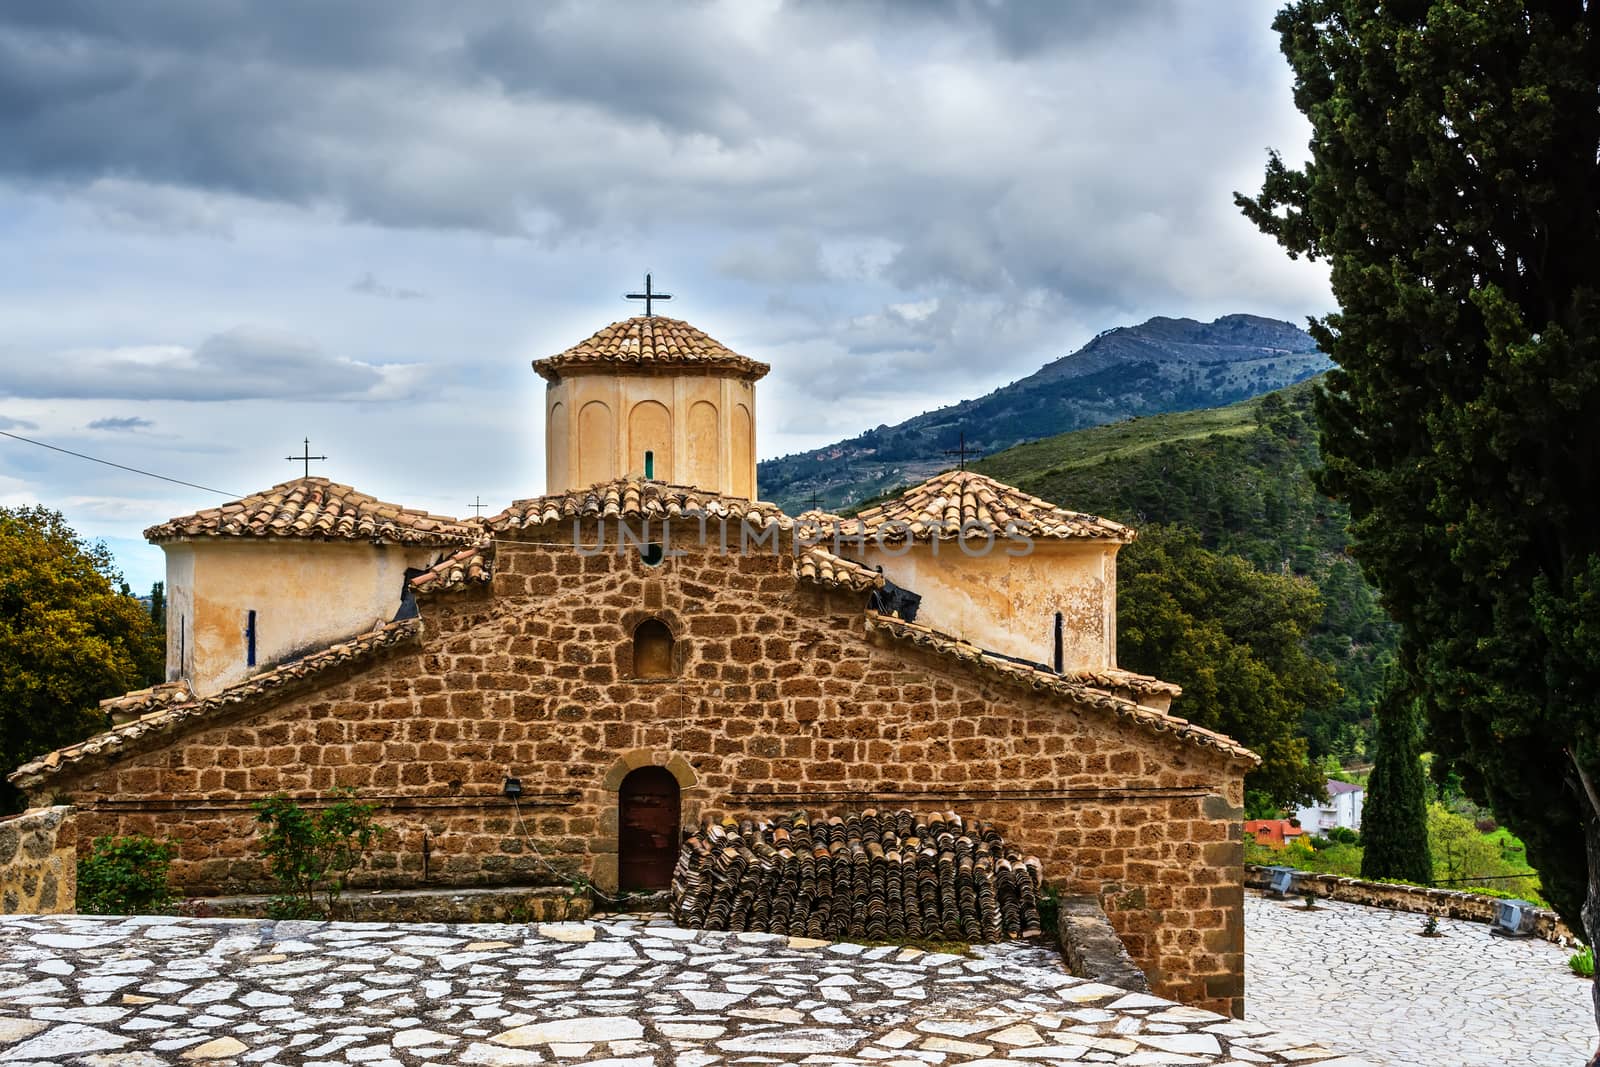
(882, 876)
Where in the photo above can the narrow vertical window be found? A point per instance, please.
(649, 464)
(1060, 643)
(182, 630)
(250, 639)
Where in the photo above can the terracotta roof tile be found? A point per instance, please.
(1040, 679)
(817, 564)
(316, 508)
(655, 343)
(174, 717)
(636, 499)
(1119, 679)
(473, 564)
(144, 701)
(878, 877)
(941, 506)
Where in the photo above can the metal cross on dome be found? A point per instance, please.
(305, 456)
(963, 451)
(477, 505)
(647, 296)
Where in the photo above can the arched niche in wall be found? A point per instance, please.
(597, 444)
(652, 650)
(742, 452)
(705, 432)
(559, 447)
(650, 430)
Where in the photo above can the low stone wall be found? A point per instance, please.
(1445, 903)
(490, 905)
(1092, 948)
(39, 862)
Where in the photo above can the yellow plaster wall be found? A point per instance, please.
(306, 595)
(700, 427)
(1008, 603)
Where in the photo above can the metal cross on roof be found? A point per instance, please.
(647, 296)
(305, 457)
(962, 451)
(477, 505)
(815, 501)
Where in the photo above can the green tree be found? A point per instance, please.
(1234, 638)
(69, 637)
(314, 852)
(1454, 189)
(157, 670)
(1394, 819)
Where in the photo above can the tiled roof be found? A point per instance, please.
(941, 506)
(144, 701)
(817, 564)
(654, 343)
(474, 564)
(1336, 788)
(636, 499)
(872, 876)
(318, 509)
(1040, 679)
(163, 723)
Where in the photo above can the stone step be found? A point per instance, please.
(489, 904)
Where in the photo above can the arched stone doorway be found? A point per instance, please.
(649, 811)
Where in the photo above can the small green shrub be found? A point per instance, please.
(312, 853)
(1582, 962)
(125, 876)
(1050, 912)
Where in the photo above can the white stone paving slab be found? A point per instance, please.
(1364, 980)
(622, 992)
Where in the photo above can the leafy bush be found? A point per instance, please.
(1582, 962)
(1343, 835)
(125, 876)
(312, 853)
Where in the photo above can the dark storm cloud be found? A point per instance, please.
(244, 363)
(987, 143)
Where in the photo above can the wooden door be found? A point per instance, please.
(647, 829)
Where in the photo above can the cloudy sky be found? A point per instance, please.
(227, 225)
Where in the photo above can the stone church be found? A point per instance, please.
(647, 644)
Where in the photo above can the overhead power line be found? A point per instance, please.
(119, 466)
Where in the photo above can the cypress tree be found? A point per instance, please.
(1394, 820)
(1454, 190)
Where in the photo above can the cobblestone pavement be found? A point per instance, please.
(1364, 979)
(149, 991)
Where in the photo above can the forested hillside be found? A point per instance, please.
(1160, 365)
(1238, 477)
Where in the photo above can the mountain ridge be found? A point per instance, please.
(1161, 365)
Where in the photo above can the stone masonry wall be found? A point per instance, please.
(780, 699)
(39, 862)
(1447, 903)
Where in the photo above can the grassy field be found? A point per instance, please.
(1119, 440)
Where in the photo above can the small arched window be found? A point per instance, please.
(652, 650)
